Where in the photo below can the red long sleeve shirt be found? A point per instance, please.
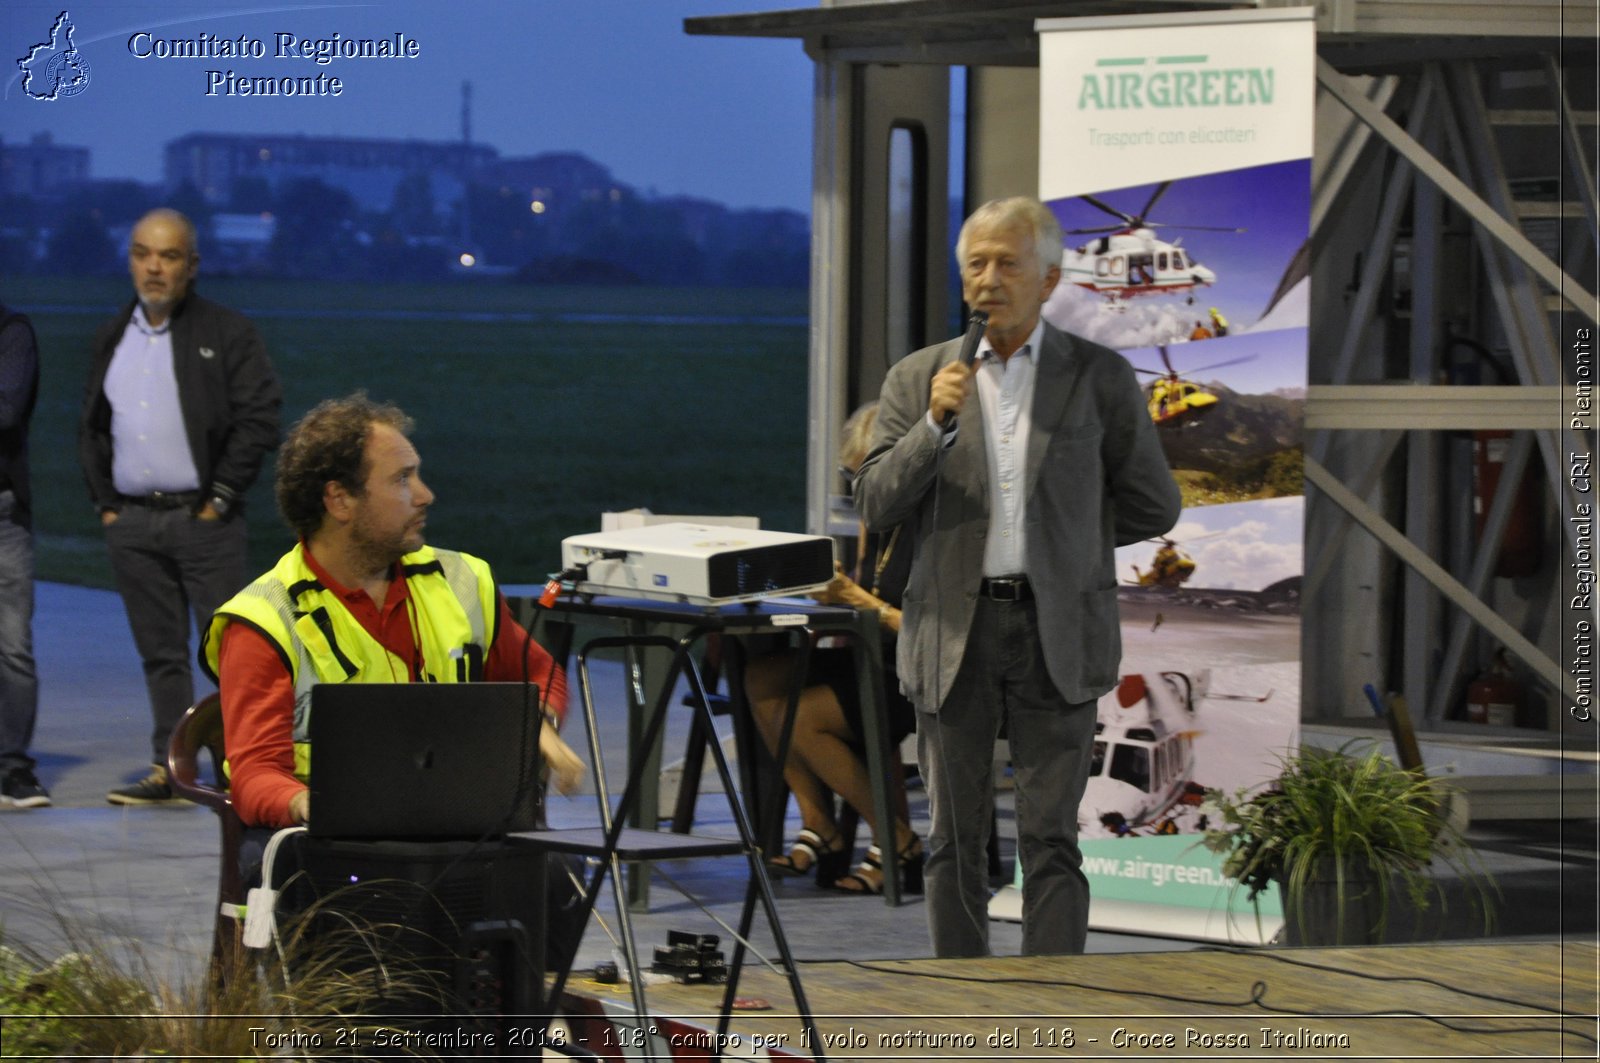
(258, 691)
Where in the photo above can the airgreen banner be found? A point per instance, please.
(1176, 152)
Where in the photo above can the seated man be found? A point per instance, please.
(359, 599)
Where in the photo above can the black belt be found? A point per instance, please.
(164, 500)
(1006, 589)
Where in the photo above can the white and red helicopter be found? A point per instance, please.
(1128, 260)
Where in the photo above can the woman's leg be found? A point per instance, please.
(823, 757)
(766, 685)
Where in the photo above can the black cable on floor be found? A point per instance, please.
(1293, 962)
(1258, 992)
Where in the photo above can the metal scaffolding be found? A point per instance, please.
(1453, 261)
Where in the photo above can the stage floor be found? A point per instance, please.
(141, 883)
(1450, 1001)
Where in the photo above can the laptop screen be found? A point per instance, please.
(424, 760)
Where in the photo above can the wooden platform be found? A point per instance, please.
(1465, 1001)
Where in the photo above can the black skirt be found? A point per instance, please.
(836, 668)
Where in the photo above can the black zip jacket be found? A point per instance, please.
(19, 390)
(227, 390)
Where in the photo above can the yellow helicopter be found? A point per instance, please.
(1172, 400)
(1128, 259)
(1170, 567)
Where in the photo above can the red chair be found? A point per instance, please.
(201, 728)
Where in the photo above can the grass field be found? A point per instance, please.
(537, 407)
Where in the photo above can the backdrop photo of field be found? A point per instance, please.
(537, 406)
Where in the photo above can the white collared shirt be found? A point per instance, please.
(1006, 391)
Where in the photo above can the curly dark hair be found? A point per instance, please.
(327, 445)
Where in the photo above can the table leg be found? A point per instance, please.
(875, 721)
(646, 669)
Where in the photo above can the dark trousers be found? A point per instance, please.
(1003, 679)
(171, 566)
(19, 680)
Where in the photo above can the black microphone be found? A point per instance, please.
(969, 343)
(969, 351)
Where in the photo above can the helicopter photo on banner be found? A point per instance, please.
(1207, 257)
(1175, 150)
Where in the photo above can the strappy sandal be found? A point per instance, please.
(868, 875)
(811, 852)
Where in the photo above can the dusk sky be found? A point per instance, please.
(727, 119)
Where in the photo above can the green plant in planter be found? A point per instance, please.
(1352, 819)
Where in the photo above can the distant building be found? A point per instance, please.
(371, 170)
(41, 168)
(557, 216)
(368, 169)
(554, 179)
(239, 243)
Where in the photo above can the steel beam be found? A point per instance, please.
(1572, 147)
(1337, 531)
(1379, 248)
(833, 101)
(1542, 666)
(1452, 186)
(1346, 153)
(1440, 407)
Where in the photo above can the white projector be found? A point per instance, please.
(699, 563)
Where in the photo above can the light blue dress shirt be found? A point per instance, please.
(149, 446)
(1006, 391)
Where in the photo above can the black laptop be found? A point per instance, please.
(423, 760)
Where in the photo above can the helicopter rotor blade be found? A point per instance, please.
(1101, 229)
(1219, 365)
(1152, 372)
(1113, 211)
(1195, 228)
(1167, 540)
(1160, 191)
(1166, 361)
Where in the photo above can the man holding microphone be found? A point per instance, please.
(1018, 476)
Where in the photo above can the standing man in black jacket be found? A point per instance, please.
(181, 408)
(19, 680)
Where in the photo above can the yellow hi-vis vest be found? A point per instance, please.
(454, 610)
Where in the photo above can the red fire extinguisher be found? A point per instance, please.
(1494, 696)
(1519, 550)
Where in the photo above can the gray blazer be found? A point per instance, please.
(1097, 479)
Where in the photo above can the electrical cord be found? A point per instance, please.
(269, 895)
(1293, 962)
(732, 933)
(966, 355)
(979, 922)
(531, 695)
(531, 692)
(1257, 998)
(1258, 989)
(579, 884)
(269, 899)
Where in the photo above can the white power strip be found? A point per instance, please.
(260, 914)
(259, 924)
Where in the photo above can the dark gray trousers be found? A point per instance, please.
(171, 566)
(19, 679)
(1003, 680)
